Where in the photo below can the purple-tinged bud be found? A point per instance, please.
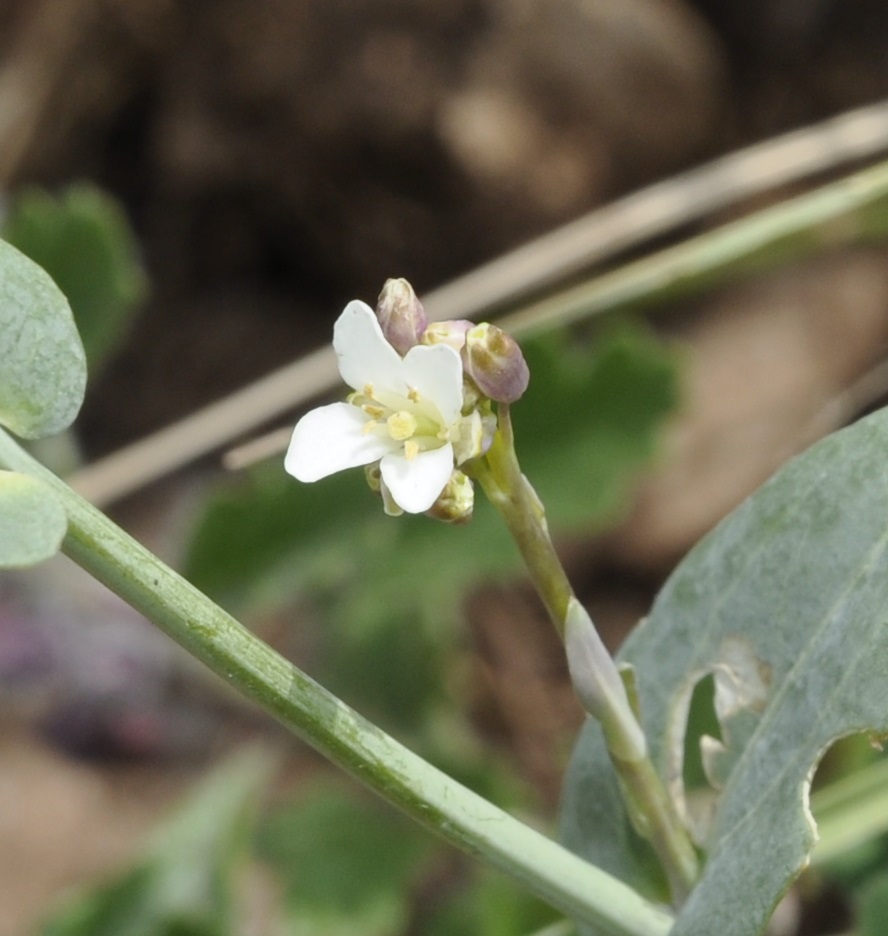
(401, 315)
(456, 502)
(493, 360)
(452, 333)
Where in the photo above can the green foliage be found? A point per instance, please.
(43, 372)
(183, 885)
(84, 241)
(350, 865)
(347, 864)
(32, 520)
(784, 605)
(872, 906)
(491, 905)
(590, 419)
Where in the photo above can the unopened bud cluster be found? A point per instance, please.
(491, 358)
(494, 371)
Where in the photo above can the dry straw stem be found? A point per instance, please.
(503, 283)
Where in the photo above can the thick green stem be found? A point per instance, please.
(594, 673)
(465, 819)
(656, 819)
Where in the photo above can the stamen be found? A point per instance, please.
(411, 449)
(413, 394)
(368, 390)
(369, 426)
(376, 412)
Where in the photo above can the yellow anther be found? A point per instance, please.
(411, 449)
(369, 426)
(376, 412)
(368, 390)
(413, 394)
(401, 425)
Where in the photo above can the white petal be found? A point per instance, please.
(416, 484)
(436, 372)
(365, 357)
(332, 438)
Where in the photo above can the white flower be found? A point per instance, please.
(404, 413)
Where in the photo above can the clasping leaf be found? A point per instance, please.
(783, 608)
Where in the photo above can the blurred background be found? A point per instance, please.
(210, 182)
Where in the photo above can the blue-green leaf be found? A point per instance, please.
(785, 608)
(42, 364)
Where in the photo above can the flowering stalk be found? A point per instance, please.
(429, 414)
(594, 673)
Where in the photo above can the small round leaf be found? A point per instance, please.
(42, 364)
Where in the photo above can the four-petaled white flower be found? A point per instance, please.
(405, 413)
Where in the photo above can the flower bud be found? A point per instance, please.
(452, 333)
(456, 502)
(401, 315)
(495, 363)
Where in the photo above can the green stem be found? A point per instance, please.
(595, 676)
(463, 818)
(511, 493)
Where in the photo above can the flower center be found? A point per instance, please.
(401, 425)
(410, 419)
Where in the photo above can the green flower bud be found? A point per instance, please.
(401, 315)
(495, 363)
(456, 501)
